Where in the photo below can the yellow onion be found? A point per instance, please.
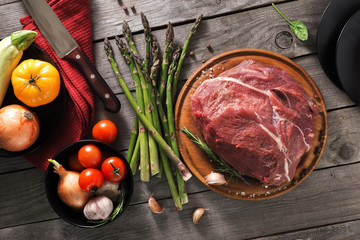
(19, 128)
(68, 187)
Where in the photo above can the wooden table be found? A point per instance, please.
(325, 206)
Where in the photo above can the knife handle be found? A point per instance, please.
(97, 83)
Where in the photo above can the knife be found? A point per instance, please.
(66, 47)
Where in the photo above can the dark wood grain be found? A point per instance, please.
(324, 206)
(225, 33)
(348, 230)
(108, 16)
(302, 208)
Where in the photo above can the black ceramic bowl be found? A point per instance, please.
(50, 115)
(51, 181)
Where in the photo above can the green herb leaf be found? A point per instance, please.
(221, 165)
(297, 27)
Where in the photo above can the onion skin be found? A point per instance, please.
(19, 128)
(68, 188)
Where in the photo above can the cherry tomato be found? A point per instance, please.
(74, 163)
(113, 169)
(91, 179)
(89, 156)
(105, 131)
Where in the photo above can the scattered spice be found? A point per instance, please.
(208, 46)
(133, 8)
(192, 53)
(125, 10)
(203, 61)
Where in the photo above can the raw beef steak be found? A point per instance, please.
(257, 118)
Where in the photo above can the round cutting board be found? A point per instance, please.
(200, 164)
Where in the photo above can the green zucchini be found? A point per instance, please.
(11, 51)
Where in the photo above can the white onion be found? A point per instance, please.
(19, 128)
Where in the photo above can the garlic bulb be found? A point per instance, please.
(98, 208)
(215, 178)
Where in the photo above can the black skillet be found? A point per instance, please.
(348, 58)
(332, 22)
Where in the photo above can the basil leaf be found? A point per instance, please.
(299, 29)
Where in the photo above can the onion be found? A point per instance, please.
(19, 128)
(68, 188)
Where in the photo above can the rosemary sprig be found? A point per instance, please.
(221, 165)
(119, 208)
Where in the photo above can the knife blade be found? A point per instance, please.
(66, 47)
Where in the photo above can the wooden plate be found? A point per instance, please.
(197, 160)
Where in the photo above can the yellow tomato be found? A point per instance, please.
(35, 82)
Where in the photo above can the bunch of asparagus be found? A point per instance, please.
(153, 140)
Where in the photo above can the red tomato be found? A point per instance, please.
(91, 179)
(113, 169)
(90, 156)
(105, 131)
(74, 163)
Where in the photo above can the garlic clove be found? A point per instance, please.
(154, 206)
(197, 214)
(215, 178)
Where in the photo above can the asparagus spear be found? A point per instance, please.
(134, 136)
(166, 59)
(183, 54)
(169, 105)
(153, 77)
(170, 116)
(128, 36)
(164, 159)
(156, 58)
(144, 148)
(149, 106)
(185, 173)
(145, 23)
(134, 161)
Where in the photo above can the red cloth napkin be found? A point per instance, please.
(79, 113)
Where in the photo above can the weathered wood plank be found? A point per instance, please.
(255, 25)
(249, 29)
(3, 2)
(347, 230)
(107, 16)
(327, 197)
(342, 148)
